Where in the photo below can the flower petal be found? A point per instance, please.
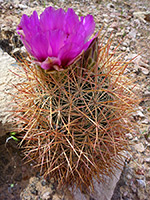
(51, 64)
(71, 20)
(56, 40)
(29, 25)
(68, 53)
(89, 25)
(52, 19)
(87, 44)
(40, 46)
(76, 39)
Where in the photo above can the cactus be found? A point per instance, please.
(73, 123)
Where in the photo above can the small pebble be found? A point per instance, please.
(43, 182)
(141, 183)
(129, 176)
(147, 159)
(139, 147)
(21, 6)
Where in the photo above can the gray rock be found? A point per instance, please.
(141, 183)
(139, 147)
(144, 70)
(139, 114)
(141, 15)
(129, 136)
(102, 191)
(145, 121)
(46, 195)
(147, 159)
(132, 34)
(21, 6)
(135, 139)
(6, 80)
(146, 94)
(56, 197)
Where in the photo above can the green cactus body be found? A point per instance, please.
(74, 122)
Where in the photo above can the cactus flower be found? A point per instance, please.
(56, 38)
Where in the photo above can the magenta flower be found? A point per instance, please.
(57, 38)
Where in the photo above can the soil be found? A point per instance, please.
(14, 173)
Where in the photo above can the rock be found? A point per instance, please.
(137, 23)
(33, 180)
(144, 70)
(123, 48)
(135, 139)
(143, 64)
(6, 80)
(145, 121)
(132, 34)
(102, 191)
(43, 182)
(130, 136)
(110, 6)
(106, 20)
(146, 94)
(141, 183)
(143, 16)
(133, 56)
(114, 25)
(139, 147)
(147, 17)
(141, 194)
(118, 34)
(147, 135)
(133, 187)
(139, 114)
(129, 176)
(56, 197)
(147, 159)
(21, 6)
(16, 50)
(125, 44)
(35, 190)
(46, 195)
(110, 29)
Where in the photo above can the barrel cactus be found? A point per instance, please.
(74, 107)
